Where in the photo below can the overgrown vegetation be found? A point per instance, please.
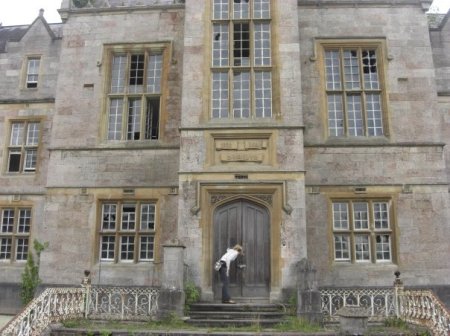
(30, 275)
(192, 295)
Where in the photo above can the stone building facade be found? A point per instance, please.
(300, 129)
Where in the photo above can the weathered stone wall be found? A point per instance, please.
(411, 154)
(440, 42)
(408, 67)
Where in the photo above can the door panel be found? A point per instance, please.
(246, 223)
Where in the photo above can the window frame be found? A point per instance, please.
(372, 232)
(121, 234)
(145, 97)
(226, 78)
(16, 234)
(18, 143)
(27, 74)
(379, 46)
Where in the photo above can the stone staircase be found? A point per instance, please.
(216, 315)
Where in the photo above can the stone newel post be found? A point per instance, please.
(308, 294)
(171, 297)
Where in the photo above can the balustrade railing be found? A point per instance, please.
(53, 305)
(59, 304)
(121, 303)
(422, 307)
(379, 302)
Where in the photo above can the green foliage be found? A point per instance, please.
(192, 295)
(292, 304)
(298, 324)
(30, 275)
(395, 322)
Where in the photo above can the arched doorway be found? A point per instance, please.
(247, 223)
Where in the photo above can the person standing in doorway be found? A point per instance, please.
(224, 271)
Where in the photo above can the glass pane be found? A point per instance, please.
(381, 215)
(220, 9)
(354, 114)
(118, 73)
(241, 95)
(147, 217)
(24, 221)
(128, 217)
(220, 45)
(383, 247)
(361, 215)
(362, 248)
(369, 60)
(107, 247)
(152, 119)
(14, 160)
(115, 119)
(261, 9)
(32, 134)
(351, 69)
(262, 44)
(240, 9)
(17, 130)
(333, 70)
(109, 217)
(241, 46)
(127, 248)
(5, 248)
(146, 247)
(21, 249)
(341, 247)
(335, 115)
(30, 160)
(134, 119)
(220, 95)
(154, 72)
(340, 216)
(136, 73)
(7, 221)
(263, 94)
(374, 115)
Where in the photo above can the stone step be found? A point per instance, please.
(240, 314)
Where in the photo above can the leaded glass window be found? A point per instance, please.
(354, 91)
(362, 230)
(127, 231)
(241, 79)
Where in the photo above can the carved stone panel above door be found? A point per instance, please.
(241, 149)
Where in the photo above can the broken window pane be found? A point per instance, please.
(14, 160)
(137, 73)
(128, 217)
(369, 60)
(134, 119)
(241, 44)
(109, 217)
(152, 119)
(220, 45)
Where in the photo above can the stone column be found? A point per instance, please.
(171, 298)
(308, 295)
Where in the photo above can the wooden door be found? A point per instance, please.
(245, 223)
